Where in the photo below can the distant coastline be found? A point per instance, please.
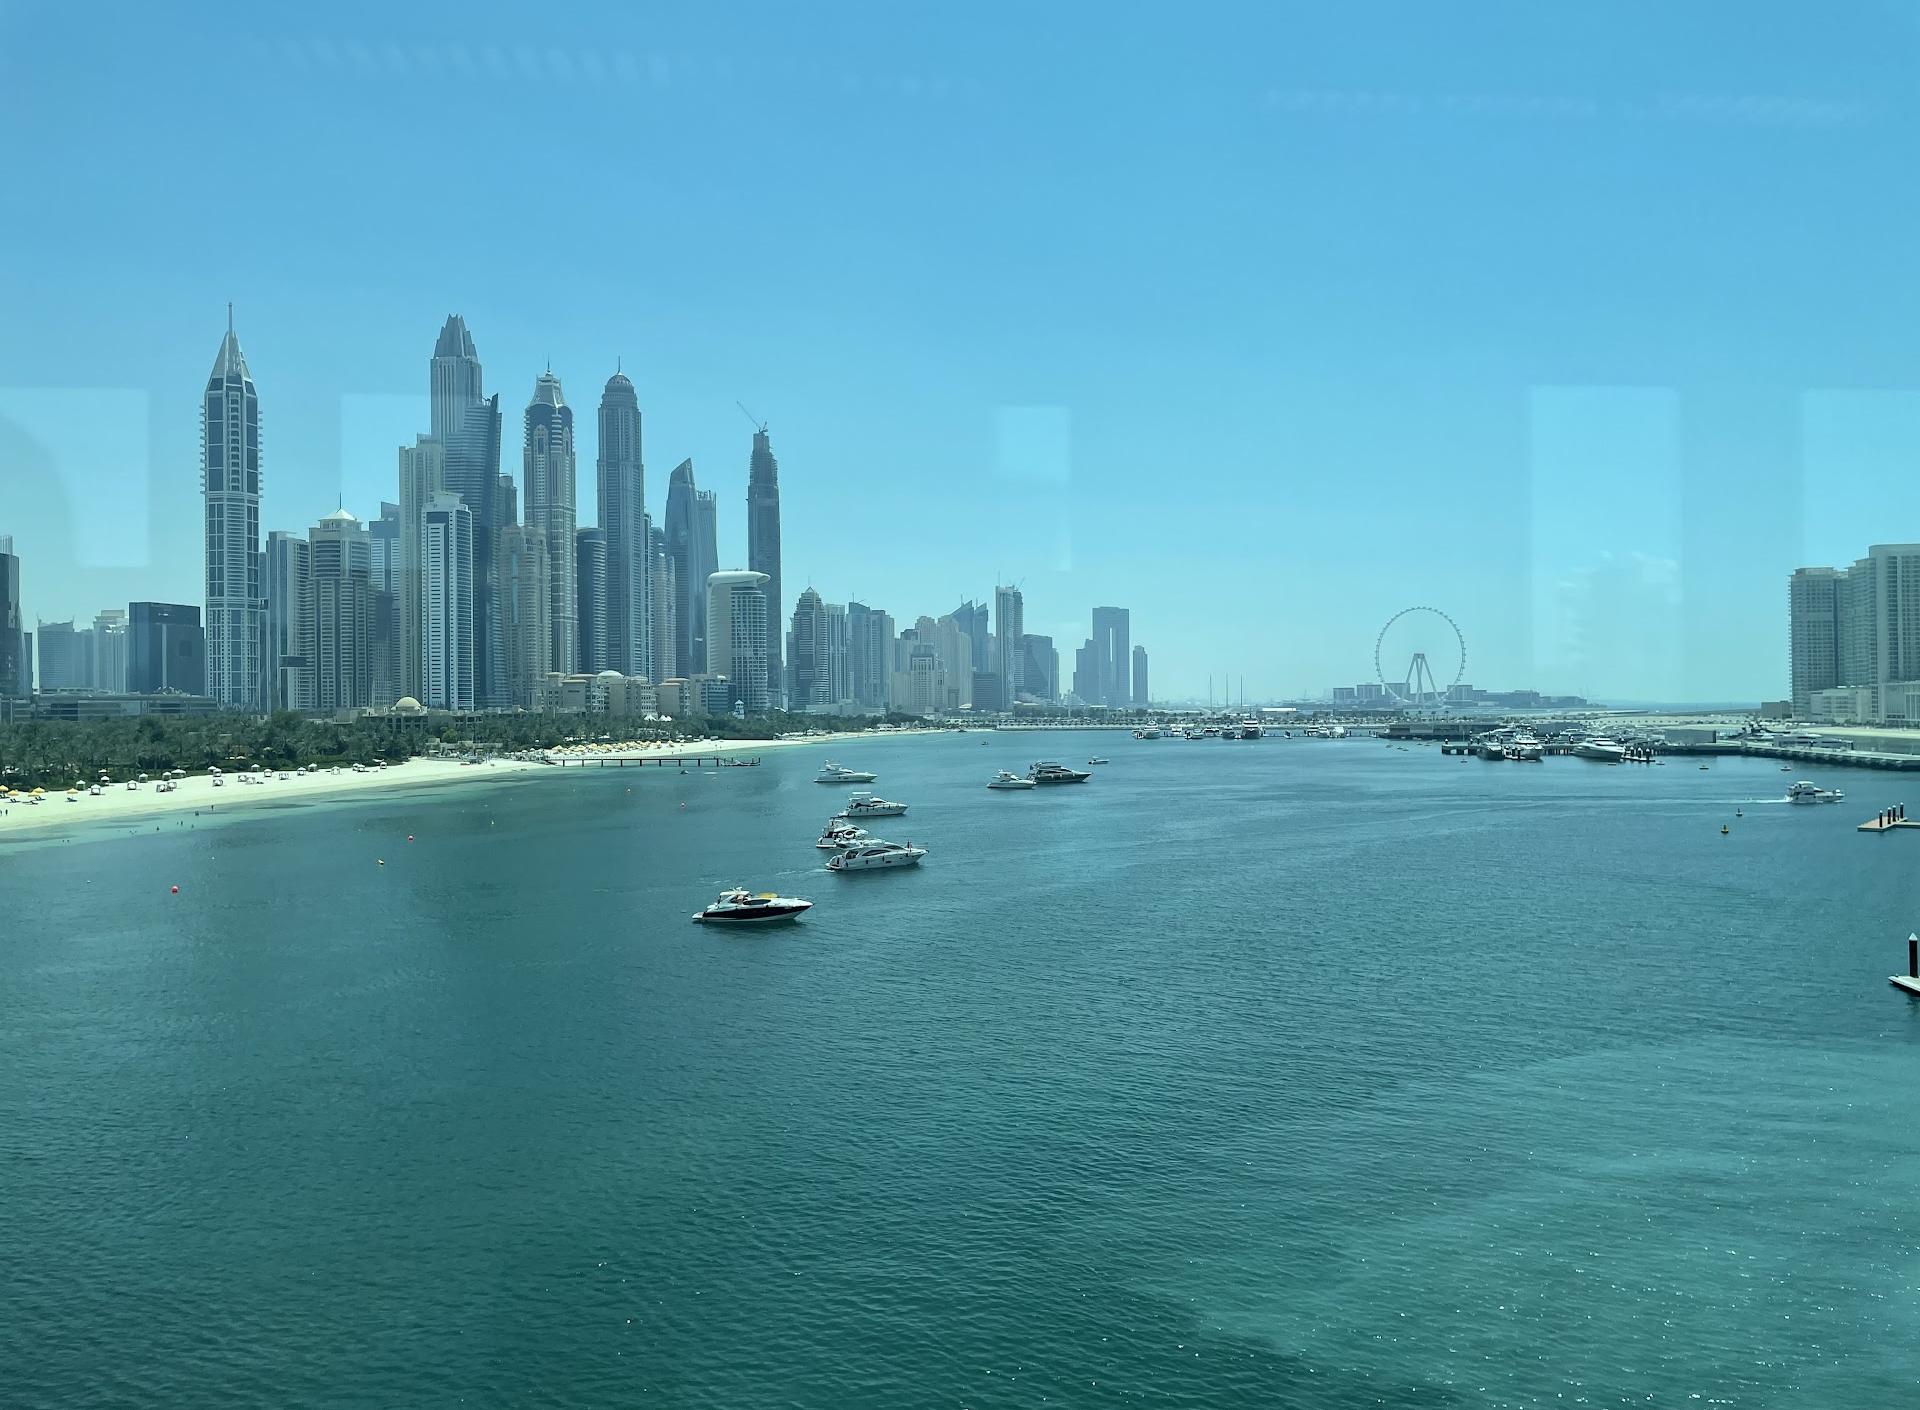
(122, 811)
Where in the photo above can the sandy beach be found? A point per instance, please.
(118, 805)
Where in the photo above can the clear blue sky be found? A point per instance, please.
(1263, 320)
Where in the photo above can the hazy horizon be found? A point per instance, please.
(1515, 313)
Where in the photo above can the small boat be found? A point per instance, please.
(1094, 761)
(1805, 792)
(831, 772)
(866, 805)
(741, 907)
(1049, 772)
(1723, 829)
(1703, 768)
(876, 855)
(1603, 751)
(1009, 781)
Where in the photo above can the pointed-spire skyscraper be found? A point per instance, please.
(621, 478)
(763, 548)
(547, 486)
(236, 620)
(466, 422)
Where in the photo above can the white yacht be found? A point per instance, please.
(1146, 732)
(1604, 751)
(741, 907)
(1049, 772)
(839, 833)
(1804, 792)
(831, 772)
(1008, 780)
(1250, 729)
(1526, 749)
(866, 805)
(875, 854)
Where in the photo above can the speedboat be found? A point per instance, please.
(875, 854)
(1804, 792)
(838, 834)
(1049, 772)
(866, 805)
(831, 772)
(1604, 751)
(1009, 780)
(741, 907)
(1094, 761)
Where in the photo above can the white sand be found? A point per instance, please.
(118, 805)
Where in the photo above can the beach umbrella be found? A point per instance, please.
(39, 793)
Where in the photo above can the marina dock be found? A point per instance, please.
(718, 761)
(1909, 983)
(1888, 819)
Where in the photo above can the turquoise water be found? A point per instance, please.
(1294, 1072)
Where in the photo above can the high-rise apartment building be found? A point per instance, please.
(839, 688)
(1086, 673)
(547, 485)
(763, 537)
(447, 626)
(341, 568)
(466, 424)
(289, 621)
(236, 624)
(384, 635)
(13, 671)
(109, 650)
(621, 488)
(971, 617)
(166, 649)
(1140, 697)
(663, 606)
(423, 474)
(524, 584)
(953, 643)
(1009, 614)
(812, 655)
(1813, 625)
(1112, 628)
(592, 601)
(870, 643)
(738, 636)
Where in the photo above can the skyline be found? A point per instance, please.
(1385, 332)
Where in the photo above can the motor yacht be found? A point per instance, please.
(866, 805)
(831, 772)
(741, 907)
(1250, 729)
(1149, 732)
(839, 833)
(1525, 749)
(1008, 780)
(1804, 792)
(1603, 751)
(1049, 772)
(875, 854)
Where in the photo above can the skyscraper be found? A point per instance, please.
(1140, 697)
(663, 607)
(466, 423)
(423, 474)
(869, 655)
(592, 588)
(690, 573)
(954, 644)
(971, 618)
(290, 621)
(1112, 626)
(63, 657)
(166, 649)
(1040, 667)
(1086, 673)
(446, 550)
(622, 484)
(1009, 612)
(812, 668)
(230, 485)
(110, 650)
(838, 690)
(738, 634)
(384, 644)
(342, 577)
(12, 676)
(524, 584)
(547, 482)
(1813, 630)
(763, 538)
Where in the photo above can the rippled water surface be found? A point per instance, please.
(1293, 1072)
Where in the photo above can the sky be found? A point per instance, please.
(1585, 324)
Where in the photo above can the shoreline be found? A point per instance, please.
(118, 807)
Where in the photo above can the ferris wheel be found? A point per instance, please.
(1423, 635)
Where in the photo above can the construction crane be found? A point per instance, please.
(758, 424)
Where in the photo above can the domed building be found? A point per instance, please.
(407, 706)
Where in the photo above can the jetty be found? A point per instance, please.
(620, 761)
(1888, 819)
(1909, 983)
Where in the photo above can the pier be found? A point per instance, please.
(1887, 820)
(620, 761)
(1909, 982)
